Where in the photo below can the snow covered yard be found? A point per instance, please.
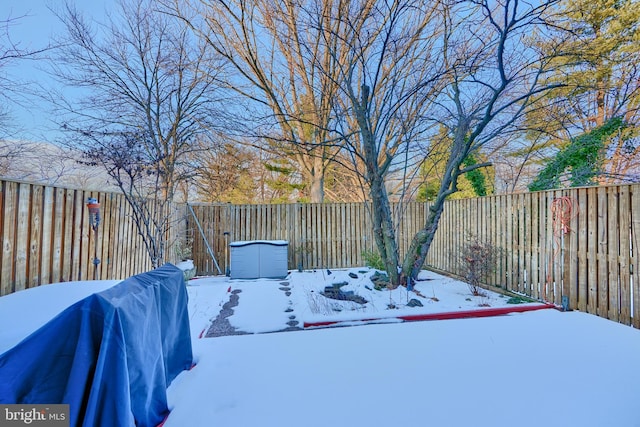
(271, 305)
(539, 368)
(543, 368)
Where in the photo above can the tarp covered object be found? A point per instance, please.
(110, 356)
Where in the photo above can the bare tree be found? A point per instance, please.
(392, 73)
(343, 182)
(273, 48)
(9, 152)
(496, 75)
(226, 174)
(388, 69)
(148, 98)
(240, 173)
(408, 69)
(139, 177)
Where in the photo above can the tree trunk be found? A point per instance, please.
(601, 104)
(421, 242)
(383, 231)
(316, 179)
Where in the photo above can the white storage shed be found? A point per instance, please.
(259, 259)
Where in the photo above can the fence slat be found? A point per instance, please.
(613, 253)
(603, 259)
(536, 278)
(571, 267)
(76, 243)
(23, 224)
(10, 195)
(545, 254)
(35, 238)
(625, 254)
(47, 231)
(592, 251)
(583, 248)
(521, 285)
(635, 258)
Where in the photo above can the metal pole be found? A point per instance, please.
(226, 253)
(205, 239)
(96, 260)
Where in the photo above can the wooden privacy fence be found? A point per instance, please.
(577, 244)
(46, 237)
(580, 244)
(329, 235)
(319, 235)
(574, 246)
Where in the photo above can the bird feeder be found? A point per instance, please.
(94, 213)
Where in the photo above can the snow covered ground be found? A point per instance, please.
(266, 307)
(530, 369)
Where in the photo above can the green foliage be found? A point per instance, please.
(427, 191)
(475, 177)
(471, 184)
(604, 30)
(281, 180)
(279, 169)
(596, 52)
(582, 159)
(517, 300)
(373, 259)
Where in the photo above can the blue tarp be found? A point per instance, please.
(110, 356)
